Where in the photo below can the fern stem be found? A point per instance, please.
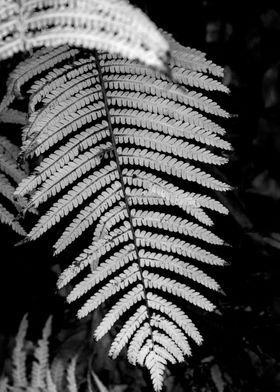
(114, 145)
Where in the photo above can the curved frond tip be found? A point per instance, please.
(109, 25)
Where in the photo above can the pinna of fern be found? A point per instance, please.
(118, 142)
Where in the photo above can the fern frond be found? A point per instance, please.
(62, 178)
(177, 316)
(4, 384)
(57, 370)
(123, 305)
(59, 158)
(70, 375)
(123, 280)
(155, 281)
(19, 356)
(172, 223)
(175, 245)
(162, 261)
(118, 143)
(88, 216)
(167, 164)
(50, 384)
(114, 26)
(41, 355)
(127, 331)
(144, 81)
(192, 59)
(169, 126)
(41, 61)
(7, 218)
(13, 116)
(172, 331)
(162, 106)
(10, 176)
(155, 360)
(168, 191)
(158, 142)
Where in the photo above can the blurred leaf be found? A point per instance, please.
(217, 378)
(264, 185)
(270, 88)
(213, 31)
(255, 361)
(100, 386)
(271, 19)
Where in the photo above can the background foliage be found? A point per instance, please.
(242, 348)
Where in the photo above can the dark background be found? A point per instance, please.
(242, 348)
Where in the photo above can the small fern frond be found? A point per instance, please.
(19, 356)
(50, 385)
(4, 384)
(40, 365)
(70, 375)
(114, 26)
(118, 143)
(10, 176)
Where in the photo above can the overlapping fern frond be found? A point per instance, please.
(10, 176)
(126, 156)
(32, 368)
(111, 25)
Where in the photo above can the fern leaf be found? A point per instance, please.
(3, 384)
(57, 371)
(118, 143)
(12, 116)
(19, 373)
(161, 261)
(158, 142)
(41, 354)
(10, 176)
(165, 163)
(70, 375)
(50, 385)
(152, 86)
(192, 59)
(156, 362)
(8, 218)
(175, 245)
(26, 70)
(114, 26)
(174, 224)
(162, 106)
(176, 315)
(87, 216)
(155, 281)
(61, 179)
(169, 126)
(123, 305)
(127, 331)
(173, 332)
